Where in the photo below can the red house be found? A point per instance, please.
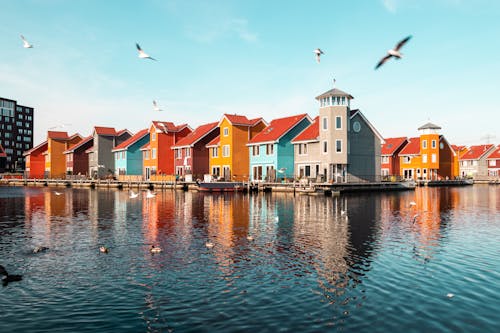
(191, 153)
(77, 159)
(35, 161)
(390, 156)
(494, 162)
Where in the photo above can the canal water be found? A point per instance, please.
(370, 262)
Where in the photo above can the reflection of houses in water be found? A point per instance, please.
(158, 215)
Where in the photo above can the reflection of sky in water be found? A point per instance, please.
(296, 263)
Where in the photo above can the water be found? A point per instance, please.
(363, 263)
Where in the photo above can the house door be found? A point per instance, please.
(226, 172)
(148, 174)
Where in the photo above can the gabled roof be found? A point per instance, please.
(458, 148)
(41, 147)
(477, 152)
(123, 131)
(130, 141)
(78, 145)
(2, 152)
(391, 145)
(412, 148)
(310, 133)
(145, 147)
(108, 131)
(429, 126)
(168, 126)
(199, 133)
(238, 120)
(334, 92)
(56, 135)
(278, 128)
(374, 130)
(495, 154)
(214, 143)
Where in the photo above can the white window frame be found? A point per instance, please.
(153, 153)
(433, 158)
(424, 158)
(226, 151)
(324, 147)
(324, 123)
(433, 144)
(336, 146)
(337, 118)
(424, 144)
(225, 131)
(215, 152)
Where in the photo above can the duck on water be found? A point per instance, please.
(6, 277)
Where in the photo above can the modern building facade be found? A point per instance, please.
(16, 133)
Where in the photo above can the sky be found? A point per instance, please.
(253, 58)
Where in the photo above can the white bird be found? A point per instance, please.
(57, 193)
(413, 203)
(143, 54)
(249, 238)
(318, 53)
(155, 249)
(209, 244)
(393, 52)
(103, 249)
(26, 44)
(150, 194)
(156, 107)
(133, 194)
(449, 295)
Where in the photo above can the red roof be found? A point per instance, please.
(123, 131)
(311, 133)
(214, 142)
(133, 139)
(78, 145)
(168, 126)
(41, 147)
(476, 152)
(2, 152)
(196, 135)
(57, 135)
(235, 119)
(391, 145)
(412, 148)
(277, 128)
(105, 130)
(495, 154)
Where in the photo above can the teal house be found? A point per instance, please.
(271, 151)
(128, 156)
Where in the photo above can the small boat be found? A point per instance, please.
(219, 186)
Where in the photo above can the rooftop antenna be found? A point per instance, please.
(488, 138)
(334, 81)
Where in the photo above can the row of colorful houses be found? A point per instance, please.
(338, 145)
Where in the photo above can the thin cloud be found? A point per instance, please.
(208, 32)
(390, 5)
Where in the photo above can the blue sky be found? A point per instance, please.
(253, 58)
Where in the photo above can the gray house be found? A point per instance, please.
(101, 157)
(340, 146)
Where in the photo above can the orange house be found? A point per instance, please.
(55, 160)
(390, 161)
(229, 156)
(35, 161)
(158, 157)
(427, 157)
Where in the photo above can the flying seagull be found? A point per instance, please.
(318, 53)
(156, 107)
(26, 45)
(393, 52)
(143, 54)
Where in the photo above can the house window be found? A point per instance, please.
(255, 150)
(385, 159)
(178, 153)
(153, 136)
(225, 151)
(302, 148)
(406, 159)
(424, 158)
(325, 147)
(270, 149)
(123, 154)
(492, 162)
(153, 153)
(424, 144)
(433, 143)
(117, 156)
(226, 131)
(433, 158)
(325, 123)
(215, 152)
(216, 171)
(146, 155)
(338, 146)
(188, 152)
(338, 122)
(308, 171)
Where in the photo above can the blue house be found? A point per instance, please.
(271, 151)
(128, 156)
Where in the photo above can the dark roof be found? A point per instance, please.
(310, 133)
(133, 139)
(429, 126)
(78, 145)
(334, 92)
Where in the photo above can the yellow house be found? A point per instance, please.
(228, 154)
(55, 160)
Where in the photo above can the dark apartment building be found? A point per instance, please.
(16, 133)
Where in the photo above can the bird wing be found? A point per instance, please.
(22, 37)
(401, 43)
(3, 271)
(384, 59)
(138, 47)
(154, 104)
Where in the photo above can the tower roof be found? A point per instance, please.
(334, 92)
(429, 126)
